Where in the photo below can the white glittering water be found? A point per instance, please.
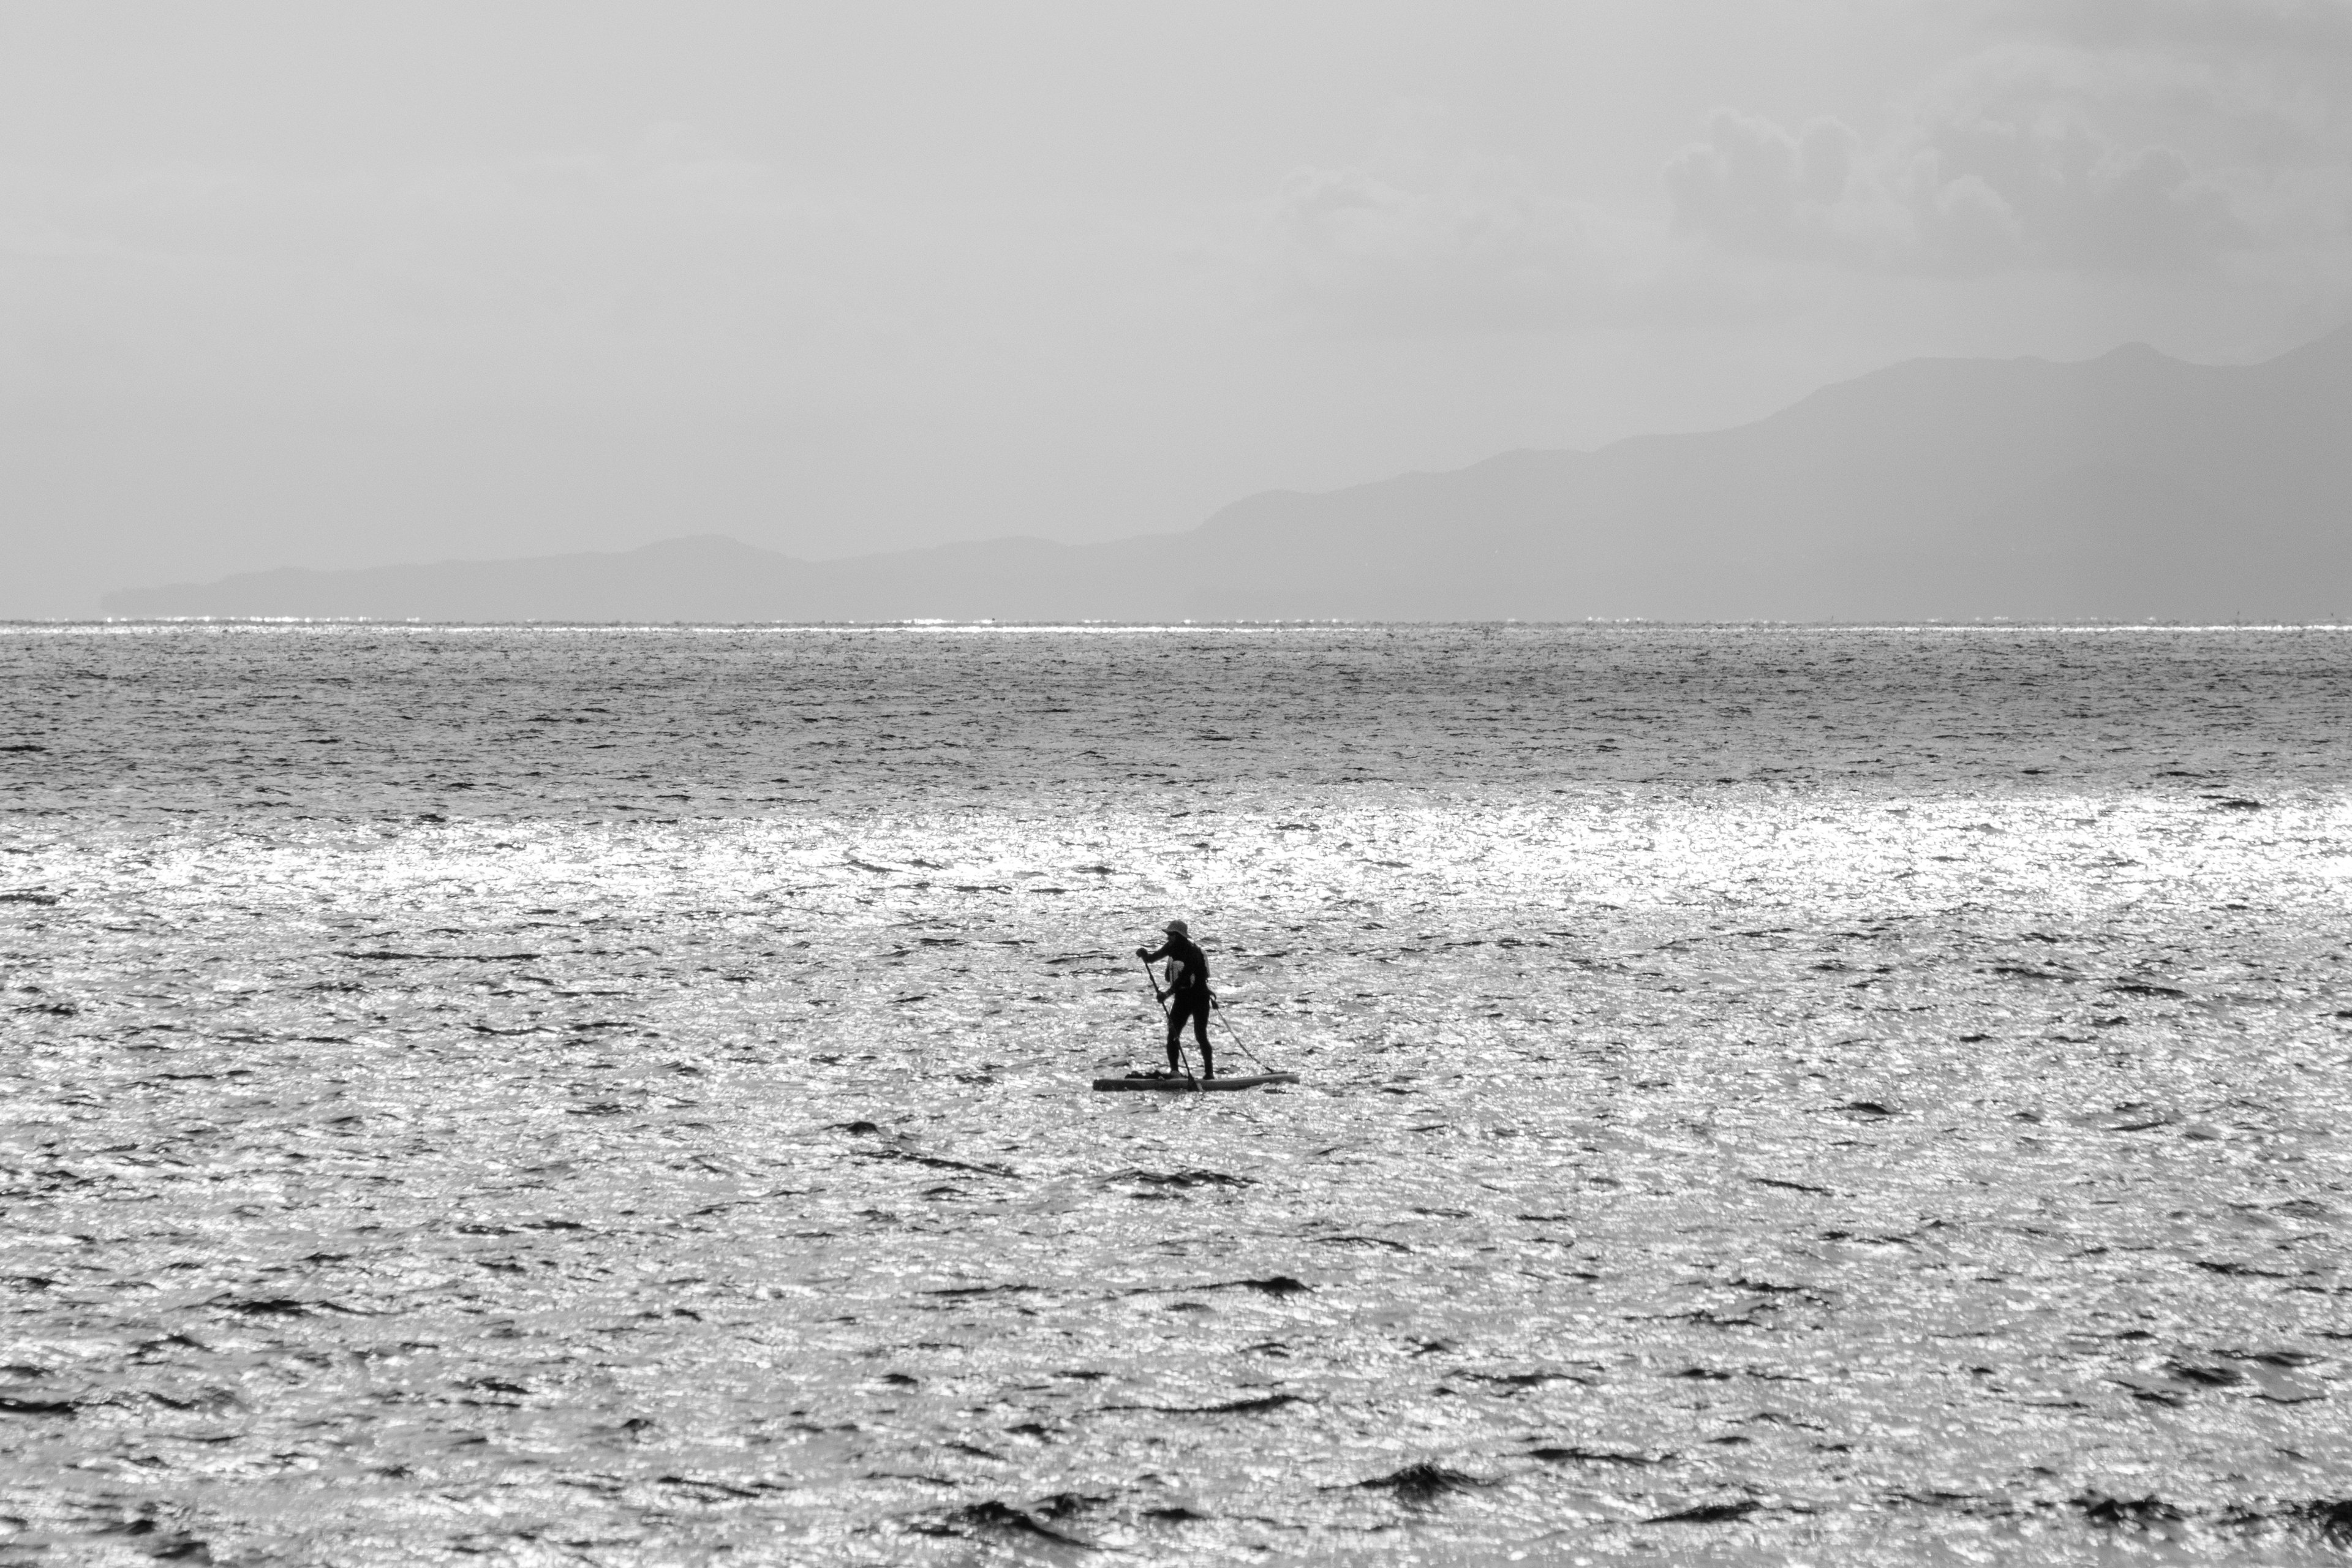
(619, 1096)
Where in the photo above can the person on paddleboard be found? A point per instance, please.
(1187, 994)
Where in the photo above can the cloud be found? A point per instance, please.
(1752, 185)
(2085, 137)
(1969, 190)
(2062, 196)
(2297, 25)
(1353, 251)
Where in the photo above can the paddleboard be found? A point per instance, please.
(1188, 1085)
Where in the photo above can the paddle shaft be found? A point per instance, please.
(1153, 980)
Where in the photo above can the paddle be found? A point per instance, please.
(1153, 980)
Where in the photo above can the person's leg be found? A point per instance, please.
(1200, 1035)
(1175, 1034)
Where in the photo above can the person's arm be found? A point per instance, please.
(1165, 948)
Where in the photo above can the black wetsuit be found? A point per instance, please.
(1188, 997)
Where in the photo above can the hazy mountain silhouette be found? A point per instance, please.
(2127, 487)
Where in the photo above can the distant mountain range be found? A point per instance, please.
(2129, 487)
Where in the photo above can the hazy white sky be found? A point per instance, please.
(298, 284)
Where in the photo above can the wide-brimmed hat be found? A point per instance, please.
(1177, 928)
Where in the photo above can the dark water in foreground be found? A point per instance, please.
(619, 1096)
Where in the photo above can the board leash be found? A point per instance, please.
(1233, 1035)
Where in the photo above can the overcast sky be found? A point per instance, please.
(301, 284)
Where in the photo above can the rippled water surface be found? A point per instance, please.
(620, 1096)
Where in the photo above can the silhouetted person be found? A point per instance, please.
(1187, 994)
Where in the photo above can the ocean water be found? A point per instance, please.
(620, 1096)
